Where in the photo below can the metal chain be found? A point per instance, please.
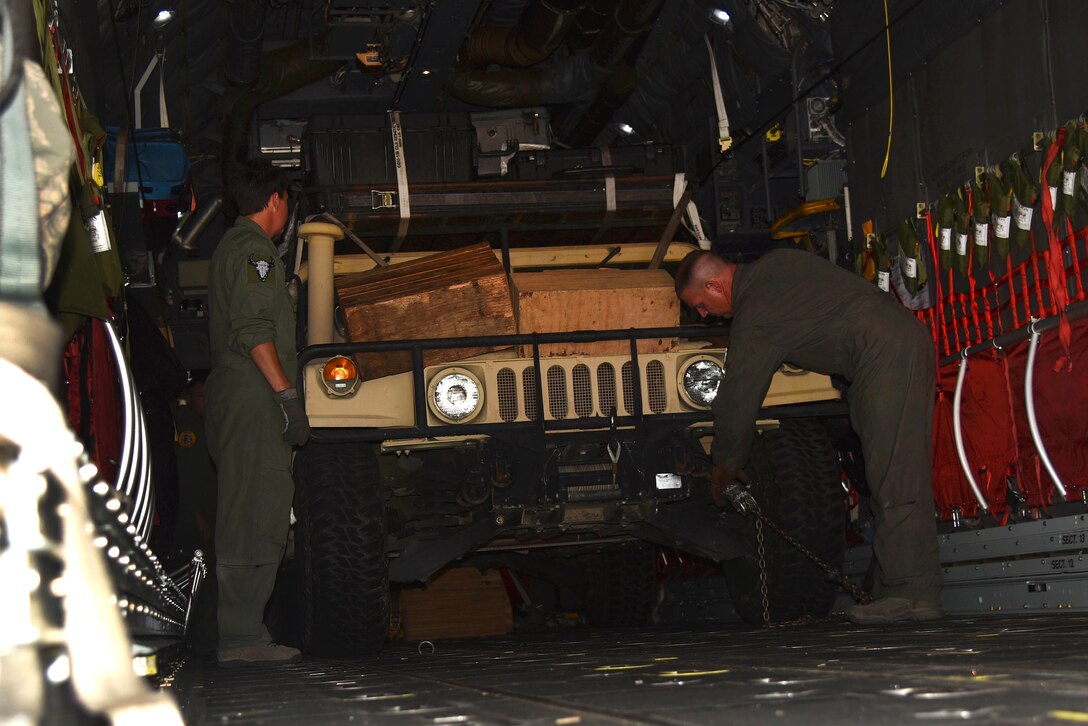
(833, 574)
(762, 551)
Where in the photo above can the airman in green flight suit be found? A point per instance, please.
(254, 414)
(792, 306)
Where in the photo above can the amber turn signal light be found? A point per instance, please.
(340, 375)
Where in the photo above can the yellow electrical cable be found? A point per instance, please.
(891, 98)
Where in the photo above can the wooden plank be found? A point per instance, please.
(455, 294)
(567, 300)
(460, 603)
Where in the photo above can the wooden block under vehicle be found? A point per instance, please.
(460, 603)
(453, 294)
(565, 300)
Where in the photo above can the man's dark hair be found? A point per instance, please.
(253, 182)
(685, 274)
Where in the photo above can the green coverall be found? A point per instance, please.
(248, 305)
(791, 306)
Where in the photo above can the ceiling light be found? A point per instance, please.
(719, 16)
(426, 71)
(625, 129)
(162, 19)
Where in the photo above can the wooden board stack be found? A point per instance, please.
(460, 603)
(566, 300)
(453, 294)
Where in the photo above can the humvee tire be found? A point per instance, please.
(797, 483)
(340, 546)
(622, 587)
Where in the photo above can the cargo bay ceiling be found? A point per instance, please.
(491, 92)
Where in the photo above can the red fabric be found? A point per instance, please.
(1061, 399)
(93, 395)
(987, 435)
(1055, 267)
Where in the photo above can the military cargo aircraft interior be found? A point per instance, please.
(543, 361)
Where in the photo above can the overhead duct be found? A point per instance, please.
(282, 70)
(615, 49)
(541, 30)
(588, 24)
(613, 94)
(572, 79)
(246, 32)
(621, 40)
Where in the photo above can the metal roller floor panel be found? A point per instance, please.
(994, 669)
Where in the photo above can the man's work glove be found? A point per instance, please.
(296, 427)
(729, 486)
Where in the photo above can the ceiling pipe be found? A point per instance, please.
(538, 34)
(614, 93)
(588, 24)
(615, 49)
(621, 40)
(282, 70)
(571, 79)
(246, 34)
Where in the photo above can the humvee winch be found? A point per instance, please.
(525, 462)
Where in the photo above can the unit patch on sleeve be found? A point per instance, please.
(261, 269)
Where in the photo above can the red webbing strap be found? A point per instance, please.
(938, 302)
(1024, 288)
(971, 275)
(1076, 263)
(1015, 463)
(74, 127)
(1012, 292)
(1055, 267)
(1039, 285)
(952, 312)
(996, 328)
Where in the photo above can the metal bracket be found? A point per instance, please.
(1037, 139)
(920, 209)
(382, 199)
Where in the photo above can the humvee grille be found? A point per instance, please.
(606, 388)
(628, 378)
(583, 391)
(528, 387)
(508, 394)
(655, 386)
(557, 392)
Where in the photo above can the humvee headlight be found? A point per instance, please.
(340, 375)
(456, 395)
(699, 381)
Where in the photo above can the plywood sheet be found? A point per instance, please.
(567, 300)
(460, 603)
(456, 294)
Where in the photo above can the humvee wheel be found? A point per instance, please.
(797, 484)
(622, 586)
(340, 545)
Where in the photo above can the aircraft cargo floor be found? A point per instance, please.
(1011, 670)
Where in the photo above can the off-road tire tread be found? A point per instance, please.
(798, 486)
(623, 588)
(340, 542)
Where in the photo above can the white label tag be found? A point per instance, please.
(1001, 227)
(961, 244)
(883, 281)
(946, 238)
(669, 481)
(1069, 179)
(1022, 215)
(1053, 196)
(99, 233)
(982, 234)
(910, 267)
